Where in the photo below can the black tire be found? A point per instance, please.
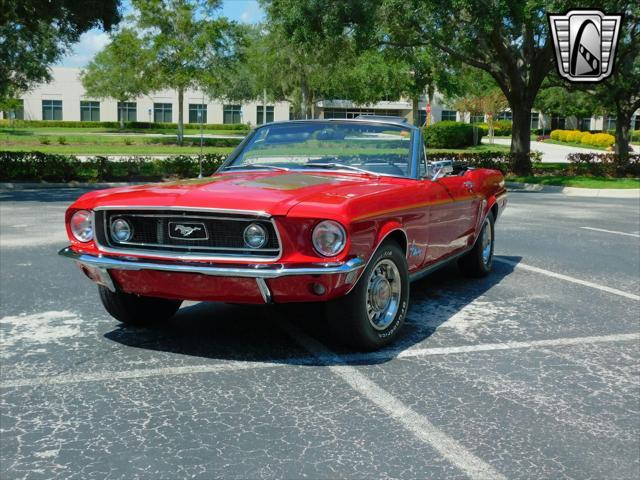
(349, 316)
(137, 310)
(475, 263)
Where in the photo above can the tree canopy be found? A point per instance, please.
(36, 33)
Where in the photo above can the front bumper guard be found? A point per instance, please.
(260, 272)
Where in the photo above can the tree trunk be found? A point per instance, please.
(416, 111)
(180, 116)
(521, 136)
(623, 123)
(431, 91)
(121, 116)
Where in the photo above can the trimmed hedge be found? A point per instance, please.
(449, 134)
(603, 165)
(635, 135)
(127, 125)
(40, 166)
(501, 128)
(585, 138)
(495, 160)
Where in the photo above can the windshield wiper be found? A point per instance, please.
(256, 165)
(341, 165)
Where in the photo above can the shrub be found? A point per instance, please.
(62, 140)
(635, 135)
(128, 141)
(501, 128)
(65, 168)
(496, 160)
(45, 140)
(602, 140)
(449, 134)
(603, 165)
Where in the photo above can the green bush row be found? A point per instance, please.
(603, 165)
(449, 134)
(127, 125)
(38, 166)
(495, 160)
(501, 128)
(635, 135)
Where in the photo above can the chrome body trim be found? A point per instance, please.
(163, 254)
(419, 274)
(248, 271)
(264, 290)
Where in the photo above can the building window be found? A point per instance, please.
(127, 110)
(197, 113)
(557, 123)
(356, 112)
(422, 117)
(52, 109)
(505, 116)
(89, 111)
(477, 118)
(260, 112)
(585, 124)
(534, 121)
(162, 113)
(635, 122)
(449, 115)
(610, 123)
(231, 114)
(17, 112)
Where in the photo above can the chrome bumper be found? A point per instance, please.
(250, 271)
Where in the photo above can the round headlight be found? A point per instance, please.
(82, 225)
(121, 230)
(255, 236)
(329, 238)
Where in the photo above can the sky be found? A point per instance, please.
(91, 42)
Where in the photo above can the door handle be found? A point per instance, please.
(468, 185)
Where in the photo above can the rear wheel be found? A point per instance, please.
(136, 309)
(479, 261)
(371, 315)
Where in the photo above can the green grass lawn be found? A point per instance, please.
(107, 149)
(474, 149)
(36, 131)
(579, 181)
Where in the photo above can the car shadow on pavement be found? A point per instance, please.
(255, 334)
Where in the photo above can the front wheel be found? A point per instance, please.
(371, 315)
(136, 309)
(479, 261)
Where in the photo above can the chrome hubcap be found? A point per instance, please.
(383, 294)
(486, 242)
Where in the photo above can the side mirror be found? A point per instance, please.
(441, 169)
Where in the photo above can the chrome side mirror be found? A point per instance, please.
(441, 169)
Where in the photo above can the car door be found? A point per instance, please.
(462, 212)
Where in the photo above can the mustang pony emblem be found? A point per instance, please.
(186, 231)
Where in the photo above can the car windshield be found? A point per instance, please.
(355, 146)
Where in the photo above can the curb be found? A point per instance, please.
(574, 191)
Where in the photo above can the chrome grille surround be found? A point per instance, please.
(163, 247)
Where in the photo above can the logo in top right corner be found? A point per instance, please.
(585, 42)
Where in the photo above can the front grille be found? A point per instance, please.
(187, 233)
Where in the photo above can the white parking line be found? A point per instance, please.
(134, 374)
(611, 231)
(230, 366)
(567, 278)
(413, 422)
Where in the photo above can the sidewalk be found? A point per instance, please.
(551, 153)
(574, 191)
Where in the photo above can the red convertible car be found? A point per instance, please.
(344, 212)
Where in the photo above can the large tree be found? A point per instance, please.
(192, 46)
(36, 33)
(122, 70)
(507, 39)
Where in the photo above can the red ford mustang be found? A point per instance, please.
(347, 212)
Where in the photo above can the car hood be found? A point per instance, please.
(274, 193)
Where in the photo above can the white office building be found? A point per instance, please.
(64, 98)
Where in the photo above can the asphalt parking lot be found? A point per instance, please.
(529, 373)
